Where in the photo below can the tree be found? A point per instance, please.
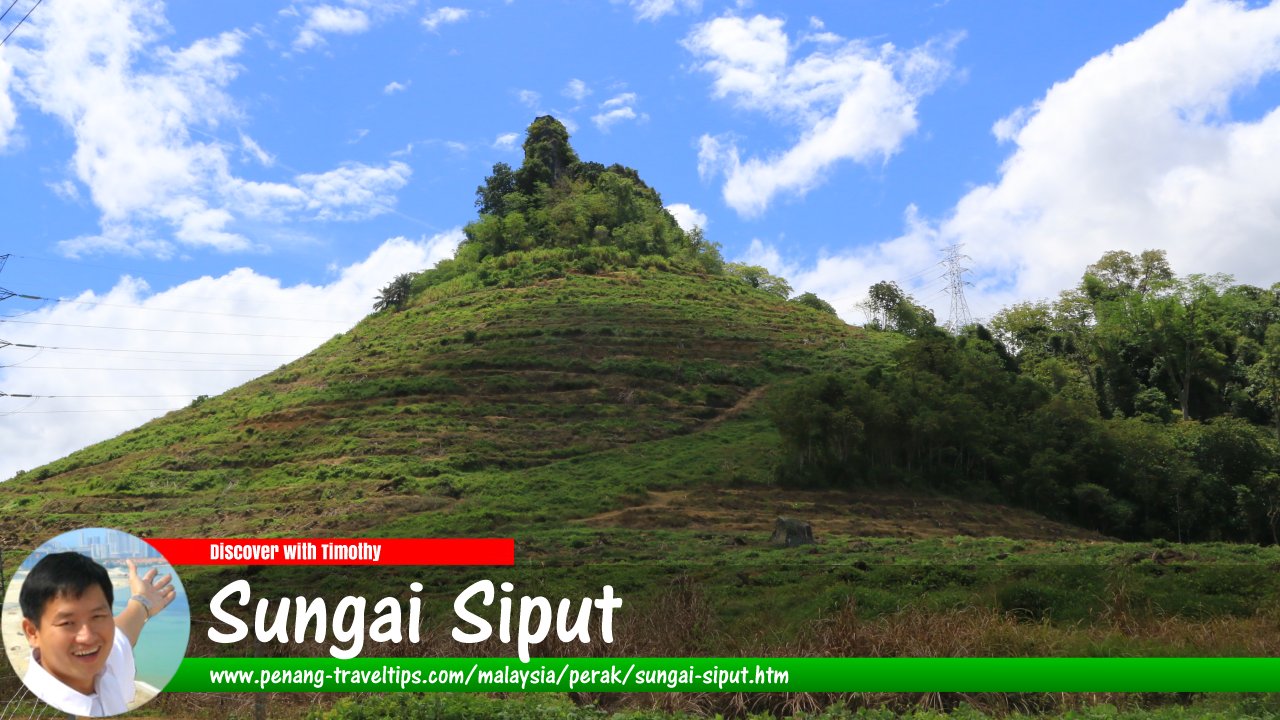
(1118, 273)
(547, 154)
(395, 294)
(1264, 376)
(810, 300)
(760, 278)
(883, 298)
(491, 196)
(889, 308)
(1182, 326)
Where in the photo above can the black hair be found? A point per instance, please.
(68, 574)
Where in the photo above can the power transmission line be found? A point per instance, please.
(10, 318)
(903, 280)
(113, 397)
(165, 362)
(24, 19)
(133, 272)
(4, 344)
(6, 12)
(56, 412)
(6, 294)
(150, 369)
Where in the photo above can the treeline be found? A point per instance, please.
(1139, 403)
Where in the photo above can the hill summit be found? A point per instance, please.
(556, 214)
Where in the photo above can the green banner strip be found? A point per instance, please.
(728, 675)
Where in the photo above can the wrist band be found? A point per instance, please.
(145, 603)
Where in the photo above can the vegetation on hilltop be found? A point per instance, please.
(556, 214)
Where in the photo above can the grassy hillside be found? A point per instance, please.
(413, 411)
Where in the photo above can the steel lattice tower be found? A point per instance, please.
(955, 287)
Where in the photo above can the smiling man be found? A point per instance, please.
(81, 656)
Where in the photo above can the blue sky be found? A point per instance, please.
(196, 171)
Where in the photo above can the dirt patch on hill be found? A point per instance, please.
(871, 513)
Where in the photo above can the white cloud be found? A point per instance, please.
(1136, 150)
(65, 189)
(327, 19)
(8, 114)
(444, 16)
(1007, 128)
(576, 90)
(616, 109)
(849, 100)
(256, 152)
(529, 97)
(619, 101)
(134, 108)
(394, 87)
(842, 279)
(46, 430)
(354, 191)
(606, 119)
(506, 141)
(687, 217)
(657, 9)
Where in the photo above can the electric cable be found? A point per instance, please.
(10, 318)
(24, 19)
(6, 294)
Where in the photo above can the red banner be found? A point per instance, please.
(336, 551)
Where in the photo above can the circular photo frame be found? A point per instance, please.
(95, 622)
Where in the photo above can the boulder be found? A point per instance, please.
(791, 532)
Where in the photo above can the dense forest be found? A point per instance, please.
(1139, 403)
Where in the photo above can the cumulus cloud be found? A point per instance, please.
(850, 102)
(135, 107)
(506, 141)
(444, 16)
(652, 10)
(218, 333)
(394, 87)
(616, 109)
(687, 217)
(328, 19)
(1138, 149)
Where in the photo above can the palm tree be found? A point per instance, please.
(394, 295)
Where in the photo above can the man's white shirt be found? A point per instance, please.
(113, 687)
